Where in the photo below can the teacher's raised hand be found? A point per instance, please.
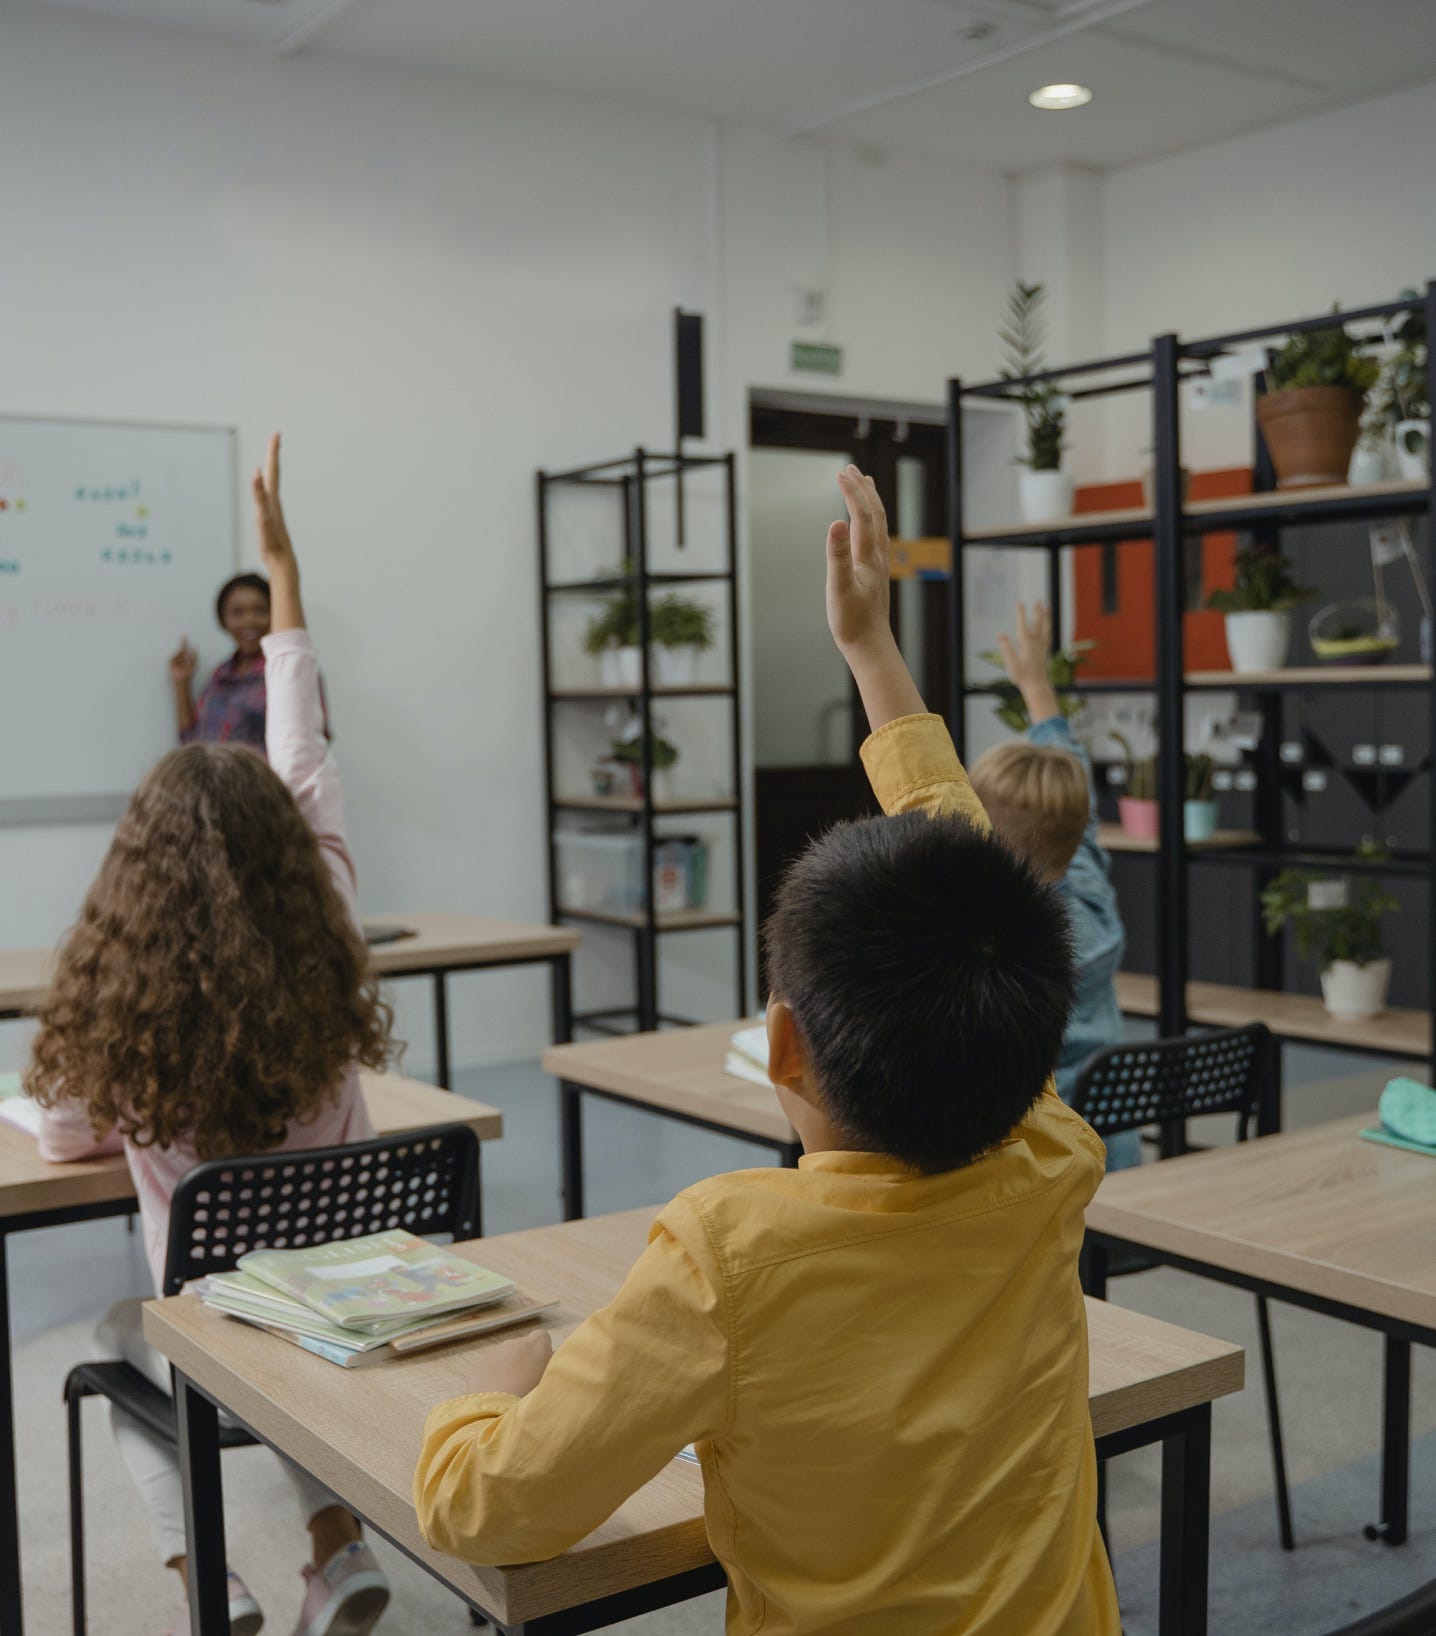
(183, 663)
(275, 547)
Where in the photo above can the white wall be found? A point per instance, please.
(1276, 224)
(434, 287)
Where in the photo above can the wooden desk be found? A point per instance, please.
(36, 1194)
(1315, 1217)
(360, 1433)
(442, 944)
(678, 1074)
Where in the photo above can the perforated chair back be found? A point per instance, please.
(426, 1180)
(1162, 1082)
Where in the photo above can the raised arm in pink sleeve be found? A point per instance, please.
(300, 753)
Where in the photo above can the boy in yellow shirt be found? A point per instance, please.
(881, 1355)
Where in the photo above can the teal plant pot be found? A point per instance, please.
(1199, 821)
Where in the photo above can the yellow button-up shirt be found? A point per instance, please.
(885, 1374)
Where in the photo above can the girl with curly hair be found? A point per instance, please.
(216, 998)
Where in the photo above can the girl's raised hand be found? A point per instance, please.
(275, 548)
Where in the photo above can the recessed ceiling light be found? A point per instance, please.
(1060, 96)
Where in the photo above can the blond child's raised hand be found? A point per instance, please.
(275, 547)
(857, 601)
(1027, 659)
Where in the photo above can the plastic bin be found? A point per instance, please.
(603, 870)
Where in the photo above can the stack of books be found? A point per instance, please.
(364, 1299)
(748, 1055)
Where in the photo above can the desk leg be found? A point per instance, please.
(570, 1112)
(1395, 1444)
(198, 1422)
(1186, 1519)
(11, 1617)
(562, 989)
(441, 1031)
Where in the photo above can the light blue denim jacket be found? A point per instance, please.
(1099, 942)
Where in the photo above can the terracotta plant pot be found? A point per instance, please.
(1310, 433)
(1140, 819)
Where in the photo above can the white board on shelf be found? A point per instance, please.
(114, 539)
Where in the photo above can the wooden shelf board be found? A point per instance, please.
(1141, 519)
(1396, 1033)
(675, 920)
(634, 803)
(1310, 676)
(1115, 839)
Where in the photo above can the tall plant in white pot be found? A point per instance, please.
(1338, 926)
(1044, 490)
(681, 630)
(1258, 608)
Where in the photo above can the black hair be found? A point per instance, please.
(240, 582)
(930, 973)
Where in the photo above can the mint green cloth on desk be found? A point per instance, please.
(1408, 1116)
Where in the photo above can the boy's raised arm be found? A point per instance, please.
(909, 757)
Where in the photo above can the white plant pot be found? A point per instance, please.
(1413, 450)
(1368, 466)
(675, 667)
(621, 667)
(1044, 496)
(1353, 993)
(662, 784)
(1258, 641)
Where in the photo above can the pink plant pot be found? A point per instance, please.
(1140, 819)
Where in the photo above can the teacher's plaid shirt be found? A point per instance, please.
(232, 707)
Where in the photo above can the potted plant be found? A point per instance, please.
(1338, 925)
(1258, 609)
(1400, 402)
(1044, 490)
(1062, 670)
(628, 752)
(612, 637)
(1310, 413)
(1137, 810)
(1199, 810)
(681, 630)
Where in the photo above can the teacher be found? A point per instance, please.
(230, 709)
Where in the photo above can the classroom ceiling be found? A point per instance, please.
(948, 78)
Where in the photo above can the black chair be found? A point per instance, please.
(1167, 1082)
(1413, 1615)
(426, 1181)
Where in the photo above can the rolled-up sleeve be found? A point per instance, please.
(913, 767)
(506, 1479)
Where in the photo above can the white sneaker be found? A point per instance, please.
(245, 1617)
(346, 1597)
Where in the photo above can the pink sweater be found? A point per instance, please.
(300, 754)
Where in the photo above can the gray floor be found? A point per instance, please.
(1330, 1380)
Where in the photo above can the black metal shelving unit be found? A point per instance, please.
(1168, 527)
(630, 476)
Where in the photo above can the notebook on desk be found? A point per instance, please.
(16, 1108)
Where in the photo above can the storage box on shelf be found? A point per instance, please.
(1163, 527)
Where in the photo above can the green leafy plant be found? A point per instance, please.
(1265, 583)
(1141, 772)
(1322, 357)
(1199, 773)
(630, 752)
(1351, 932)
(1062, 670)
(675, 622)
(616, 625)
(1021, 337)
(1401, 391)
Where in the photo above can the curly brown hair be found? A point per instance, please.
(215, 986)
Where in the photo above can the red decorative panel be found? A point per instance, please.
(1125, 632)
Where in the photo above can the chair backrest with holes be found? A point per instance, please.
(1153, 1082)
(426, 1180)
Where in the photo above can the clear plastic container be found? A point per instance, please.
(603, 870)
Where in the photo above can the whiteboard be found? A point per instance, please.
(114, 539)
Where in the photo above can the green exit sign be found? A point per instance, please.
(815, 358)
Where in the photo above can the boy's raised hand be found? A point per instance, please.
(857, 599)
(1027, 659)
(275, 548)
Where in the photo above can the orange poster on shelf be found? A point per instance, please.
(1114, 602)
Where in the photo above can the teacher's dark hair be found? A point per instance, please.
(240, 582)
